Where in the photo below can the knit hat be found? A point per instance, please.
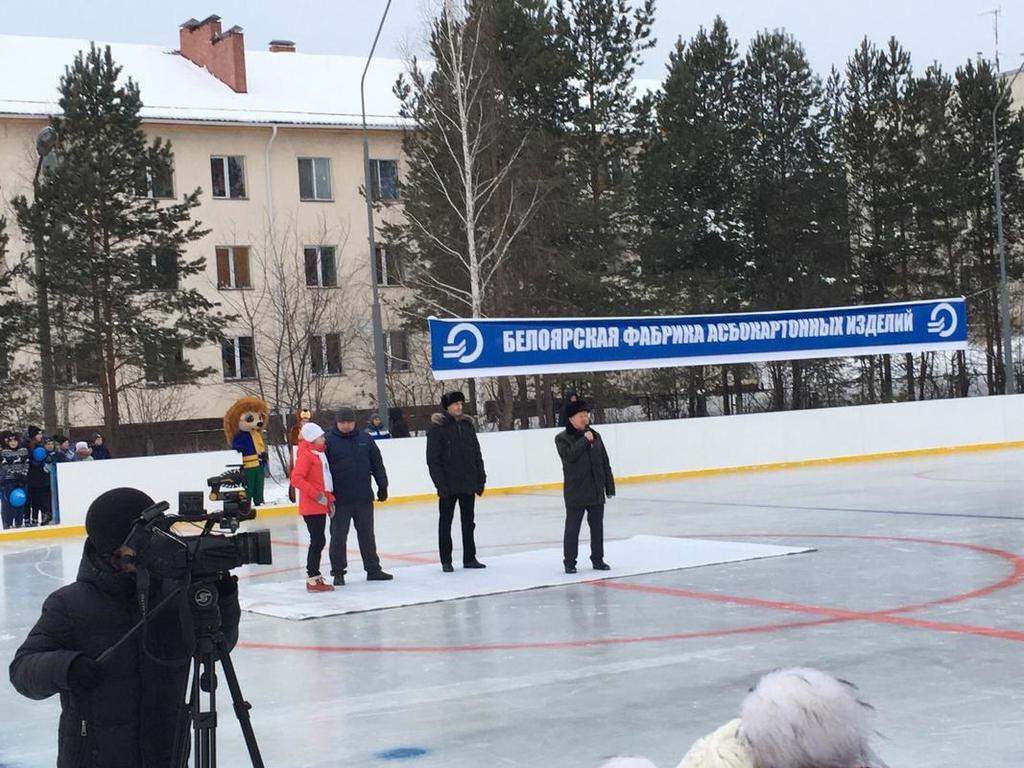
(311, 431)
(81, 445)
(573, 408)
(33, 430)
(111, 516)
(345, 414)
(452, 397)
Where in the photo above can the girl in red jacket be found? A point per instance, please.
(311, 476)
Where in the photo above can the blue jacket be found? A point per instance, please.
(354, 458)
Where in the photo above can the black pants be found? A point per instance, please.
(39, 507)
(446, 506)
(573, 522)
(362, 516)
(317, 526)
(11, 513)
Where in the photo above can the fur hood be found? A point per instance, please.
(438, 418)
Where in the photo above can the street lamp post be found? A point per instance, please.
(1004, 288)
(46, 144)
(378, 325)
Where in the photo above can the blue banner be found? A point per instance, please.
(486, 347)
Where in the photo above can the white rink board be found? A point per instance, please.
(419, 584)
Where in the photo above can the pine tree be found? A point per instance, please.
(115, 256)
(19, 385)
(605, 41)
(938, 189)
(790, 192)
(686, 190)
(978, 88)
(880, 140)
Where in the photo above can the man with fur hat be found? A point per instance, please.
(354, 458)
(794, 718)
(588, 483)
(122, 712)
(457, 468)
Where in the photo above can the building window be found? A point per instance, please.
(315, 178)
(239, 357)
(164, 363)
(384, 177)
(387, 266)
(398, 351)
(325, 354)
(157, 183)
(321, 270)
(76, 365)
(233, 267)
(158, 271)
(228, 176)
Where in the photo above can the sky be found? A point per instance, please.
(947, 31)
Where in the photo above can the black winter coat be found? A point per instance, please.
(100, 452)
(585, 467)
(129, 719)
(38, 471)
(453, 456)
(399, 427)
(353, 458)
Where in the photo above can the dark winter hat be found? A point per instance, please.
(345, 414)
(577, 407)
(112, 515)
(452, 397)
(33, 430)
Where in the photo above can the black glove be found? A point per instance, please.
(382, 494)
(443, 492)
(84, 674)
(227, 586)
(480, 491)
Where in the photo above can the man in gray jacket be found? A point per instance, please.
(588, 483)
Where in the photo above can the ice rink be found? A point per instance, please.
(912, 592)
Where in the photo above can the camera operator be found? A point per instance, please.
(123, 712)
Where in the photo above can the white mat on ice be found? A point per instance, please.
(417, 584)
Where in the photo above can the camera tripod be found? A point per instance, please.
(210, 648)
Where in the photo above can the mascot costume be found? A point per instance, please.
(302, 417)
(243, 427)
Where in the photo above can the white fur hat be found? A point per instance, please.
(794, 718)
(802, 716)
(311, 431)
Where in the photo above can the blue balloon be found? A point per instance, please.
(39, 454)
(17, 497)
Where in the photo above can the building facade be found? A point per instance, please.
(273, 140)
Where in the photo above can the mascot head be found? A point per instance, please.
(249, 414)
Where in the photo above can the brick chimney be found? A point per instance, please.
(282, 46)
(221, 53)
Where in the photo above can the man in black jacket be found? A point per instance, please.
(354, 457)
(588, 483)
(124, 712)
(457, 469)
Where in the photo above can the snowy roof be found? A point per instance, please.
(284, 88)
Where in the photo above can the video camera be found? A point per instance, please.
(169, 555)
